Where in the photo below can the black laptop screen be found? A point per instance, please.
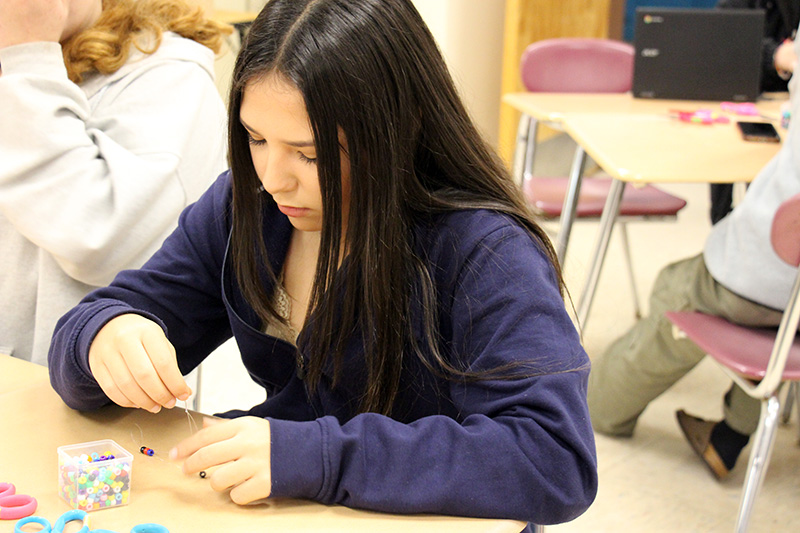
(698, 54)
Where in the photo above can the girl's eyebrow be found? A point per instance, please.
(296, 144)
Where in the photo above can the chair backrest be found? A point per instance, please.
(785, 234)
(785, 238)
(580, 65)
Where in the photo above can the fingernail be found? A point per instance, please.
(185, 396)
(173, 453)
(155, 409)
(170, 404)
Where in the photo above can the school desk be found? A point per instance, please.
(653, 148)
(34, 422)
(638, 140)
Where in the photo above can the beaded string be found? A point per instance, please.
(144, 450)
(193, 428)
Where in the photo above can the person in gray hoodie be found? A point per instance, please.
(112, 124)
(738, 277)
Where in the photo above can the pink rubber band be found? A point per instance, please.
(17, 506)
(7, 489)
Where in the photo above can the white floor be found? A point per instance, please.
(652, 482)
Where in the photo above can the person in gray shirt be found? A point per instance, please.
(738, 277)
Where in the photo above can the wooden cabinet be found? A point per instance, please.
(528, 21)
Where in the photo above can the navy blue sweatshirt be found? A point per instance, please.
(519, 448)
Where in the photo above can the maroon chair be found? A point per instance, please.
(565, 65)
(759, 360)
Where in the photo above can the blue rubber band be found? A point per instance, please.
(33, 520)
(69, 516)
(149, 528)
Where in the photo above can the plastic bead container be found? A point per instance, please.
(94, 475)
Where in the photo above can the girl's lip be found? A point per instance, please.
(293, 211)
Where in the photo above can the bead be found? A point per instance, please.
(202, 473)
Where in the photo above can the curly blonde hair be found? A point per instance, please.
(106, 46)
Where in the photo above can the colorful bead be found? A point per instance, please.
(147, 451)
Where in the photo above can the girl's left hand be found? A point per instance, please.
(240, 448)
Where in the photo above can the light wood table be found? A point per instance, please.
(556, 108)
(17, 374)
(635, 140)
(653, 148)
(35, 422)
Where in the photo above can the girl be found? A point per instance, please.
(383, 280)
(111, 126)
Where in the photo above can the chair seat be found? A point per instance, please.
(745, 350)
(546, 194)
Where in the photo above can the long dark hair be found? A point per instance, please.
(371, 68)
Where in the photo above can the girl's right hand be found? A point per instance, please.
(135, 364)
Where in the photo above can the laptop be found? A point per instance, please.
(698, 54)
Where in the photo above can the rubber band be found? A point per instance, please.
(7, 489)
(32, 520)
(69, 516)
(149, 528)
(17, 506)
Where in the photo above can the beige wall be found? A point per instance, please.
(470, 35)
(237, 5)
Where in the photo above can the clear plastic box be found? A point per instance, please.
(94, 475)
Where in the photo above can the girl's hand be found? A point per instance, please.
(135, 364)
(27, 21)
(240, 448)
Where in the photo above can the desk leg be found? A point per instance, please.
(610, 212)
(570, 206)
(520, 161)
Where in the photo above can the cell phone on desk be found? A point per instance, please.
(759, 132)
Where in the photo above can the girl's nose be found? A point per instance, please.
(276, 176)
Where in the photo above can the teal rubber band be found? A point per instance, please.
(69, 516)
(33, 520)
(149, 528)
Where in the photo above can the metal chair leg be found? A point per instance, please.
(759, 459)
(538, 529)
(623, 231)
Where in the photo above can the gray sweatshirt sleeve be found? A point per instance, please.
(98, 179)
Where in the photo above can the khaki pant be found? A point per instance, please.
(647, 360)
